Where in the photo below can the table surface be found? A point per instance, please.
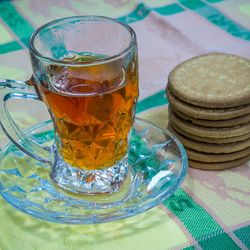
(211, 210)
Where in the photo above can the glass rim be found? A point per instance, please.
(34, 51)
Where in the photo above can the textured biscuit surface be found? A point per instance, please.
(209, 139)
(218, 165)
(210, 132)
(213, 80)
(216, 124)
(211, 147)
(206, 113)
(216, 158)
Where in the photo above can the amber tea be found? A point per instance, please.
(93, 111)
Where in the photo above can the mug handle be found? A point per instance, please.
(11, 89)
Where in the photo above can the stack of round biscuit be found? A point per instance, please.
(209, 109)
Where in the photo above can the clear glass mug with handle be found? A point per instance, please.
(85, 70)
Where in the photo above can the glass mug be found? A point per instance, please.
(85, 69)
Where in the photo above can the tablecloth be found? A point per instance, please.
(211, 210)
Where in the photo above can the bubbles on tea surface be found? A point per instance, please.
(82, 57)
(69, 57)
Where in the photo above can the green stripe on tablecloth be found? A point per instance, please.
(244, 235)
(139, 13)
(218, 242)
(205, 230)
(8, 47)
(142, 10)
(16, 22)
(189, 248)
(169, 9)
(193, 5)
(214, 1)
(217, 18)
(152, 101)
(195, 218)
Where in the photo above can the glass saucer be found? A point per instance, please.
(158, 165)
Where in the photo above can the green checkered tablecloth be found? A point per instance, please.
(211, 210)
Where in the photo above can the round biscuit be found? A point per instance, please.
(215, 158)
(208, 139)
(214, 80)
(209, 132)
(218, 165)
(206, 113)
(216, 124)
(210, 147)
